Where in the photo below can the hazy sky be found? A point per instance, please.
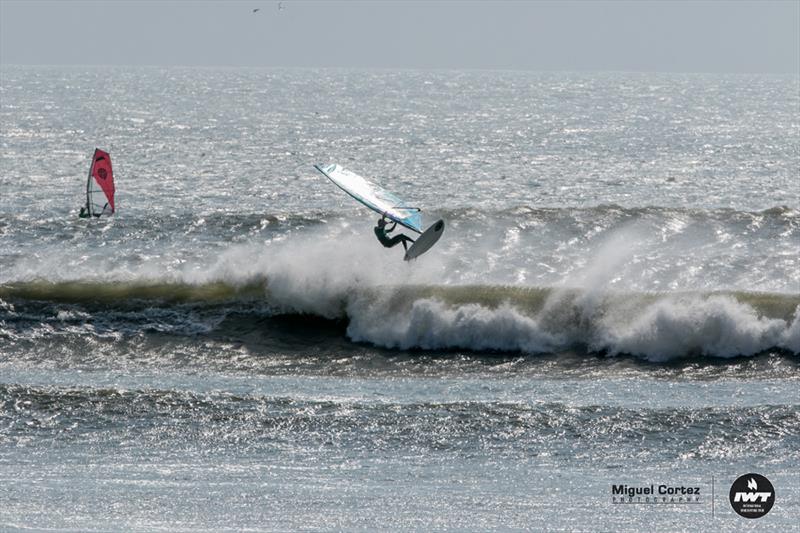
(674, 36)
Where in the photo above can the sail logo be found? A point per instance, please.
(101, 173)
(752, 496)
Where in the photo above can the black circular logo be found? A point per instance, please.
(752, 496)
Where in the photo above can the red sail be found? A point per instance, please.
(103, 175)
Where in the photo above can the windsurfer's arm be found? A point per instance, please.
(394, 225)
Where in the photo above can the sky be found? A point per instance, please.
(652, 36)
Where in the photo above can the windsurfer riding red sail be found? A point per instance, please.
(99, 187)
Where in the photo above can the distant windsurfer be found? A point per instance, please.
(84, 212)
(382, 232)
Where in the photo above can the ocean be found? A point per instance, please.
(615, 301)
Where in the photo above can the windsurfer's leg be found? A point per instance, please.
(397, 239)
(400, 239)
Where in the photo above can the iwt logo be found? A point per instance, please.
(752, 495)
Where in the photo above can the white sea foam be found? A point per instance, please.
(431, 324)
(791, 339)
(667, 328)
(311, 275)
(672, 327)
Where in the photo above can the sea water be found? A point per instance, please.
(615, 300)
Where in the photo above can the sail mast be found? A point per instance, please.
(89, 183)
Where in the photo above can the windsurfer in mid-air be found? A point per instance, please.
(382, 232)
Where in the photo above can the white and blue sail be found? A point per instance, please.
(373, 196)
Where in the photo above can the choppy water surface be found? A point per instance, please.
(616, 299)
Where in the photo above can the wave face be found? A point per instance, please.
(656, 327)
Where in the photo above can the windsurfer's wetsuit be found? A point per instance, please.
(382, 233)
(84, 213)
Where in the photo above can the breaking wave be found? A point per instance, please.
(481, 318)
(533, 281)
